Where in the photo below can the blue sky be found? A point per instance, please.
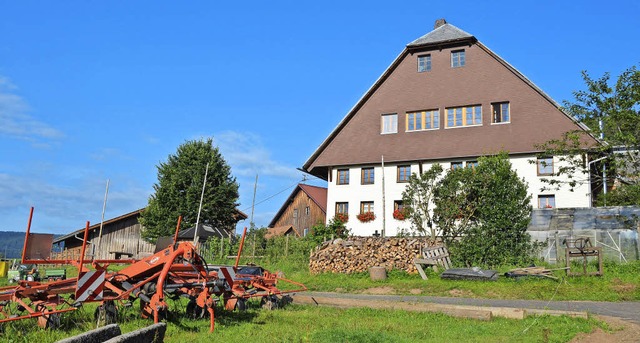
(97, 90)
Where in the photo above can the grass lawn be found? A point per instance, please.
(621, 282)
(298, 323)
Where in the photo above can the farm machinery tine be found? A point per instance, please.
(178, 270)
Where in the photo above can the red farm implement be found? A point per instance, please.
(173, 272)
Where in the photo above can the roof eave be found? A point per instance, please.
(442, 44)
(352, 112)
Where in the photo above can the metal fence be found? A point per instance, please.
(615, 229)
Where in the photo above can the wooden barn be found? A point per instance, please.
(305, 207)
(121, 239)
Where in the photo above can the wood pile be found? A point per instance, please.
(358, 254)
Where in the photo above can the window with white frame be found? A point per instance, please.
(389, 123)
(545, 166)
(424, 63)
(458, 58)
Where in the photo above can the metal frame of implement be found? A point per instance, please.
(175, 271)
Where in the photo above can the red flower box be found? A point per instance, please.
(342, 217)
(366, 217)
(399, 214)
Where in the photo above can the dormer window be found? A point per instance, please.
(457, 58)
(424, 63)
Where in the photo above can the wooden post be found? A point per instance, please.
(557, 248)
(253, 257)
(286, 247)
(222, 246)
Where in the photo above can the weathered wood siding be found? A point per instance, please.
(302, 220)
(121, 236)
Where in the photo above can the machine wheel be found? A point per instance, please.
(269, 302)
(50, 321)
(194, 311)
(241, 304)
(106, 314)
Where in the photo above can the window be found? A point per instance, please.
(390, 123)
(457, 58)
(472, 164)
(424, 63)
(366, 206)
(342, 207)
(343, 176)
(500, 112)
(546, 201)
(423, 120)
(306, 232)
(545, 166)
(404, 172)
(307, 210)
(464, 116)
(398, 205)
(456, 165)
(295, 216)
(367, 176)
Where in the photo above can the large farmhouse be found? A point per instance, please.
(448, 99)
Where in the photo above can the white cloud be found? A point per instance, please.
(247, 156)
(61, 209)
(16, 122)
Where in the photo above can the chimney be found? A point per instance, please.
(439, 22)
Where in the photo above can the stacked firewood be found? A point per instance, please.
(358, 254)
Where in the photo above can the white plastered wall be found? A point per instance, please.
(354, 193)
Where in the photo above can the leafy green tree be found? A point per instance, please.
(179, 188)
(335, 228)
(484, 213)
(617, 106)
(417, 198)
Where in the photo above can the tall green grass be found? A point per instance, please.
(298, 323)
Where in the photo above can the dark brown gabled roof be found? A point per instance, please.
(317, 194)
(444, 36)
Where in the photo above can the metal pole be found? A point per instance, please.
(104, 207)
(384, 217)
(204, 184)
(604, 167)
(253, 203)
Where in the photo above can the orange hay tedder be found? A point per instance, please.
(173, 272)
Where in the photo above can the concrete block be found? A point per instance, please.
(150, 334)
(98, 335)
